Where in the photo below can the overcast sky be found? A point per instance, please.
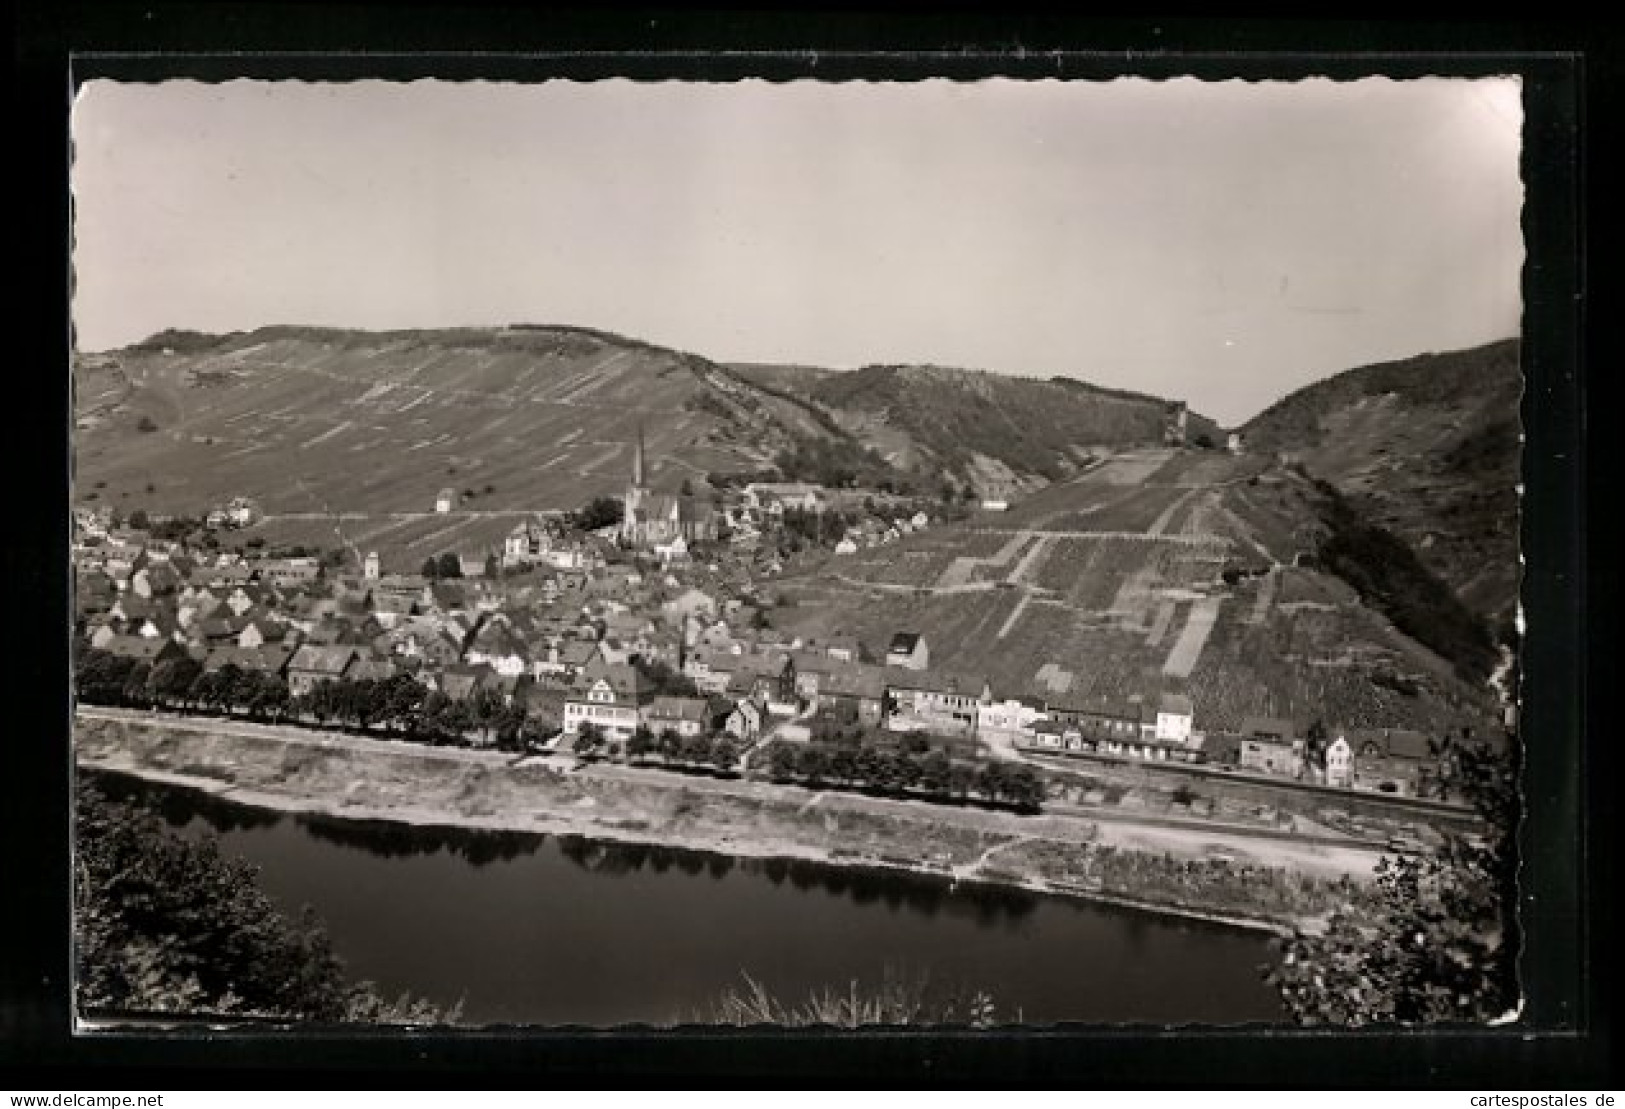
(1222, 243)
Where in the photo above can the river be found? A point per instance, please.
(562, 930)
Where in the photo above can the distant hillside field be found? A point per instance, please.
(1002, 433)
(319, 424)
(1166, 570)
(315, 421)
(1429, 448)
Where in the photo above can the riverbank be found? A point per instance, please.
(346, 777)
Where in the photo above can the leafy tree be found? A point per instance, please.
(139, 520)
(449, 566)
(172, 679)
(724, 753)
(1023, 788)
(493, 569)
(589, 740)
(874, 766)
(1315, 741)
(664, 680)
(936, 772)
(1437, 940)
(600, 512)
(843, 764)
(431, 568)
(136, 684)
(990, 780)
(671, 743)
(401, 702)
(909, 769)
(485, 708)
(781, 761)
(268, 697)
(641, 743)
(696, 749)
(813, 763)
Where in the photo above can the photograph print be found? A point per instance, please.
(613, 553)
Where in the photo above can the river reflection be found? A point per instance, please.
(569, 930)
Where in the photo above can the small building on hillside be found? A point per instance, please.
(1174, 716)
(311, 665)
(855, 689)
(909, 651)
(927, 701)
(445, 500)
(1272, 756)
(1339, 763)
(687, 716)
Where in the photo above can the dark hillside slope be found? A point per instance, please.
(1038, 428)
(1428, 448)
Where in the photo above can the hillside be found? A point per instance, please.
(1429, 448)
(1230, 578)
(1002, 433)
(351, 434)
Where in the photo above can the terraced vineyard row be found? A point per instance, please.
(381, 422)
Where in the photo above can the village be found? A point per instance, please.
(605, 636)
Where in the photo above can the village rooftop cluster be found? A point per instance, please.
(648, 624)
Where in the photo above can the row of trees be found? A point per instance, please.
(399, 705)
(930, 774)
(103, 678)
(700, 751)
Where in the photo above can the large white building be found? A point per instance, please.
(607, 695)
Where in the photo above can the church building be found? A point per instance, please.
(659, 518)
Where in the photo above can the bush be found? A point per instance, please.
(167, 925)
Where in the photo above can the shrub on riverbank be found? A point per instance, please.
(1218, 886)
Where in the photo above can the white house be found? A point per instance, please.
(1174, 714)
(674, 551)
(744, 722)
(446, 500)
(775, 497)
(1339, 763)
(995, 506)
(609, 696)
(1013, 716)
(370, 568)
(908, 650)
(846, 546)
